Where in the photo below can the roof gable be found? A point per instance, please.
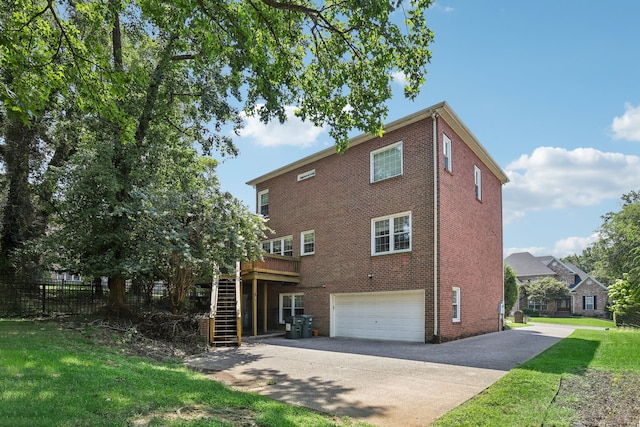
(590, 280)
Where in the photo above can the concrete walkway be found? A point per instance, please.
(378, 382)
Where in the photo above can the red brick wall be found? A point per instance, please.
(590, 289)
(340, 202)
(470, 237)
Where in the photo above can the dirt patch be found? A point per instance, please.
(602, 398)
(236, 417)
(158, 335)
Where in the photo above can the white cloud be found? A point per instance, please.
(292, 132)
(572, 245)
(627, 126)
(561, 248)
(445, 9)
(557, 178)
(400, 78)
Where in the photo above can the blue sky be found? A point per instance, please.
(550, 88)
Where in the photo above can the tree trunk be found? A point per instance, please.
(118, 298)
(18, 217)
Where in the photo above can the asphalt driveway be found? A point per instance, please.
(380, 382)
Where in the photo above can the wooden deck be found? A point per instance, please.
(276, 268)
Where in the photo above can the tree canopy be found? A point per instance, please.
(98, 95)
(546, 290)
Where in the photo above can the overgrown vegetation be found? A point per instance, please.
(591, 378)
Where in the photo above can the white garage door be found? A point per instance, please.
(397, 316)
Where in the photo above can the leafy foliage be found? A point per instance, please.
(624, 296)
(619, 243)
(510, 288)
(139, 83)
(546, 289)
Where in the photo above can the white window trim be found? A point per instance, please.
(390, 218)
(587, 304)
(447, 153)
(293, 307)
(306, 175)
(380, 150)
(456, 302)
(477, 174)
(302, 236)
(281, 240)
(260, 194)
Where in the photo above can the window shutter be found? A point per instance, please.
(595, 306)
(584, 302)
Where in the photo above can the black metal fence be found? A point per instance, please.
(52, 297)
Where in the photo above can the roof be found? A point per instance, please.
(577, 270)
(584, 277)
(442, 109)
(525, 264)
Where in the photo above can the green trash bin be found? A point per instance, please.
(307, 325)
(293, 327)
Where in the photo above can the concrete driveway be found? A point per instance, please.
(378, 382)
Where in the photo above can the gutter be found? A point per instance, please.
(434, 118)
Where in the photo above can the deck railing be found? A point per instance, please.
(273, 264)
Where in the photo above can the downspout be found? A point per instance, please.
(434, 118)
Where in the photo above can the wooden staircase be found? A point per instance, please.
(225, 322)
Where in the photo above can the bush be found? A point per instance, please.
(531, 312)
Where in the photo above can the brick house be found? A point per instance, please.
(399, 238)
(587, 296)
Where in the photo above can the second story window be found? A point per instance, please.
(263, 203)
(279, 246)
(307, 242)
(446, 152)
(386, 162)
(478, 182)
(391, 234)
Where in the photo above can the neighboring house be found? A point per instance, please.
(399, 238)
(587, 296)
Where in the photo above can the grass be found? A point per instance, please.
(529, 395)
(53, 376)
(578, 321)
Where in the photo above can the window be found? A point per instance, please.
(589, 302)
(279, 246)
(290, 305)
(446, 152)
(478, 182)
(455, 298)
(537, 305)
(386, 162)
(306, 175)
(263, 203)
(391, 234)
(307, 242)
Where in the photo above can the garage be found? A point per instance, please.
(397, 316)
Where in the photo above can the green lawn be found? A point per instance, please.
(53, 376)
(590, 378)
(578, 321)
